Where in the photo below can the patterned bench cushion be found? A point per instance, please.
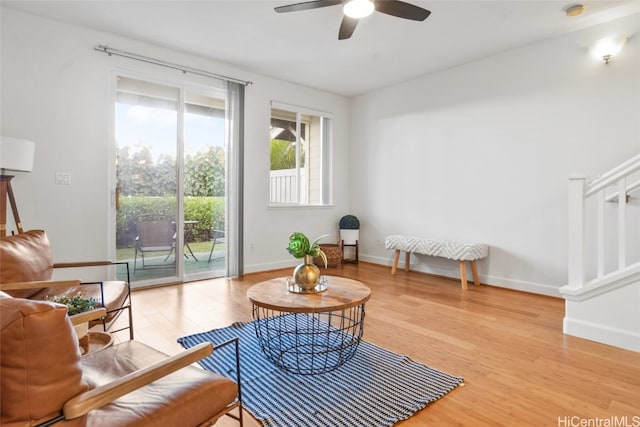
(461, 251)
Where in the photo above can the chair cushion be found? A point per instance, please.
(198, 394)
(26, 257)
(451, 249)
(39, 361)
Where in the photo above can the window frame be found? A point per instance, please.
(325, 121)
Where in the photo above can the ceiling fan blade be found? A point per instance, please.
(402, 10)
(307, 5)
(347, 27)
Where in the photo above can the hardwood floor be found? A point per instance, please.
(519, 368)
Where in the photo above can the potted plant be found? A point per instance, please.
(349, 229)
(77, 304)
(307, 274)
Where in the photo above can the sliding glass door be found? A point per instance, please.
(171, 181)
(204, 178)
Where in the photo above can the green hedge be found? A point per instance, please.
(208, 211)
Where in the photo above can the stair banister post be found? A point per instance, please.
(576, 232)
(622, 221)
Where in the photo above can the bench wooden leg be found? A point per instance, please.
(407, 261)
(463, 274)
(396, 257)
(474, 269)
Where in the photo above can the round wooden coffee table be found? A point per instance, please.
(309, 333)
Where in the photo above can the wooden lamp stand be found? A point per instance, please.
(7, 191)
(17, 155)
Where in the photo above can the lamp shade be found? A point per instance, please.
(16, 154)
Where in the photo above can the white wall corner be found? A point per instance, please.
(610, 318)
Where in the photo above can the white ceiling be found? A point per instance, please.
(303, 47)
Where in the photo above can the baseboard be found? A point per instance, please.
(454, 273)
(259, 268)
(522, 285)
(621, 338)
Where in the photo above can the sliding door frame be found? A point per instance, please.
(217, 90)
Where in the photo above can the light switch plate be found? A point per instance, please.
(63, 178)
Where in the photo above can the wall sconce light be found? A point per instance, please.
(605, 49)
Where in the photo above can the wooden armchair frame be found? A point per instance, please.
(104, 394)
(70, 283)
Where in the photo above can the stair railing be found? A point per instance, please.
(579, 192)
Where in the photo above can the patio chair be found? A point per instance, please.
(218, 237)
(157, 234)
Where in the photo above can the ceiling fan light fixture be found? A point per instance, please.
(358, 8)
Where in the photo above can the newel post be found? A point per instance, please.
(576, 232)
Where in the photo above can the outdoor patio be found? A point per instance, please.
(162, 264)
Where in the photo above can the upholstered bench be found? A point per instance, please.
(459, 251)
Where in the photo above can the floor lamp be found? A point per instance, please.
(16, 155)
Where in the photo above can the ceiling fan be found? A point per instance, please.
(356, 9)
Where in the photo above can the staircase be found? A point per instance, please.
(603, 292)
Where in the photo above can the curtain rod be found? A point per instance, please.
(110, 51)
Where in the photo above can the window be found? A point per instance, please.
(300, 142)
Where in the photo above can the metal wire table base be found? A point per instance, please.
(309, 343)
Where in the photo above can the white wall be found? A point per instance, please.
(56, 91)
(482, 152)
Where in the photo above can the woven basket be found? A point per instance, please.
(333, 251)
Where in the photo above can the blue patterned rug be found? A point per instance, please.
(375, 388)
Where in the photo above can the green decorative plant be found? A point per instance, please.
(300, 247)
(76, 303)
(349, 222)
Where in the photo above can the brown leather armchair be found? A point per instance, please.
(45, 381)
(26, 270)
